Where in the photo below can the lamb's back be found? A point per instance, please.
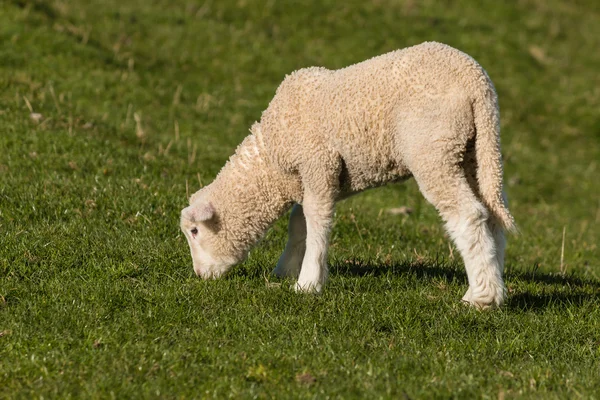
(353, 111)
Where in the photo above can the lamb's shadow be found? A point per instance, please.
(550, 290)
(556, 290)
(420, 270)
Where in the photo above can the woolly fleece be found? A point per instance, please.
(428, 111)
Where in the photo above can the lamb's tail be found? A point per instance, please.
(489, 159)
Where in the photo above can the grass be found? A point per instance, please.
(141, 102)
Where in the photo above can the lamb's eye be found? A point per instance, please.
(195, 231)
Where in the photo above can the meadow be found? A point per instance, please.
(113, 112)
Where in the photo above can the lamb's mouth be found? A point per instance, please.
(213, 272)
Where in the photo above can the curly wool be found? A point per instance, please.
(428, 111)
(357, 112)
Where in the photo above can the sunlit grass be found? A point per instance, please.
(110, 112)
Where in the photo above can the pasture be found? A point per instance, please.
(112, 112)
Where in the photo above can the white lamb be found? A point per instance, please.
(428, 111)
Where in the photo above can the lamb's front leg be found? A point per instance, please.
(290, 262)
(318, 211)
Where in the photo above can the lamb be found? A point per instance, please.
(427, 111)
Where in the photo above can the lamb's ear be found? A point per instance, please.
(199, 212)
(205, 211)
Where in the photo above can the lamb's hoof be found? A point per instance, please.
(492, 297)
(308, 287)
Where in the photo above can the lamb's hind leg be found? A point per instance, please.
(470, 167)
(478, 245)
(467, 222)
(290, 262)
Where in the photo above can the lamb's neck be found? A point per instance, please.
(260, 193)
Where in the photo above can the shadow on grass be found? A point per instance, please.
(544, 289)
(551, 289)
(532, 301)
(420, 270)
(528, 290)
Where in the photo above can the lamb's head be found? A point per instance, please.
(211, 252)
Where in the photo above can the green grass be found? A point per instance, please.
(141, 100)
